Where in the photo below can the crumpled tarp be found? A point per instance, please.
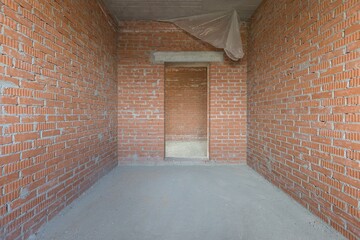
(220, 29)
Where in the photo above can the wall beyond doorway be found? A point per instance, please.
(185, 103)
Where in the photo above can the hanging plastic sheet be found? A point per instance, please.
(220, 29)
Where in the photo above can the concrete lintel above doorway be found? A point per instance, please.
(188, 56)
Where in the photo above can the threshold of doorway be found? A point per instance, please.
(187, 161)
(181, 159)
(197, 161)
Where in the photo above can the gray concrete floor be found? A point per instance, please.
(185, 202)
(186, 149)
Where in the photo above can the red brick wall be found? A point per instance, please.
(57, 107)
(141, 94)
(303, 105)
(185, 103)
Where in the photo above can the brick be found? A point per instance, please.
(9, 159)
(344, 197)
(9, 119)
(348, 127)
(347, 92)
(26, 136)
(17, 73)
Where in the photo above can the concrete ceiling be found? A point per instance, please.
(166, 9)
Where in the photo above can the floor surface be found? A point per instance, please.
(185, 202)
(186, 149)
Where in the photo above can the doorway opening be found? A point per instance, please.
(186, 111)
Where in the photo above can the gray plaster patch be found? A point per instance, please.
(304, 65)
(135, 157)
(269, 162)
(95, 159)
(6, 84)
(24, 192)
(32, 237)
(100, 136)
